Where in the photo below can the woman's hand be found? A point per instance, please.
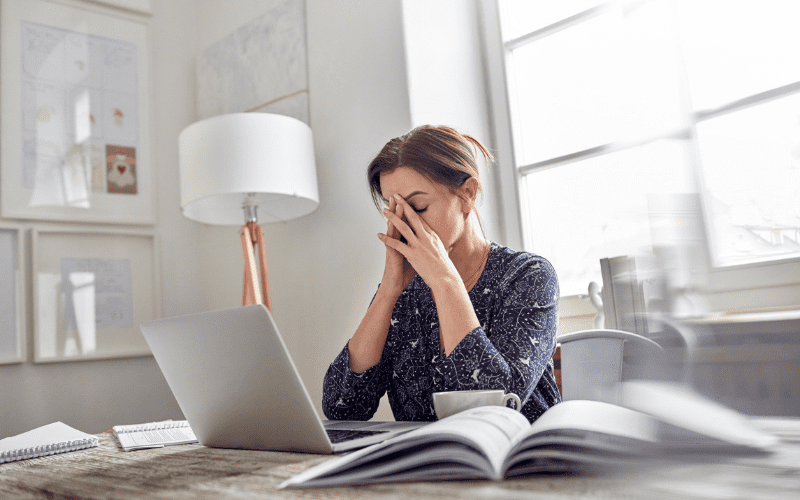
(423, 248)
(397, 271)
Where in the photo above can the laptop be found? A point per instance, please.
(237, 386)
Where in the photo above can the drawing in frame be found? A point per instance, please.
(12, 295)
(75, 132)
(92, 289)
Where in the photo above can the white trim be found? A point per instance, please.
(596, 151)
(17, 278)
(557, 26)
(144, 7)
(506, 171)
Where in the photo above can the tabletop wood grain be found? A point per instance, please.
(197, 472)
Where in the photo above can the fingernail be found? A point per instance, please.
(397, 197)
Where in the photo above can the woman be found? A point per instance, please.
(453, 311)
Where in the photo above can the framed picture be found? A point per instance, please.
(91, 290)
(12, 295)
(75, 129)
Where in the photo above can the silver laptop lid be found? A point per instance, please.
(235, 381)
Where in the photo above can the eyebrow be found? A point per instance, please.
(409, 196)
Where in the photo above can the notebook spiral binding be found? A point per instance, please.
(49, 449)
(151, 426)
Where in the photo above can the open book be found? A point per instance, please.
(494, 442)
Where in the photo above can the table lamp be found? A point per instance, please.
(243, 166)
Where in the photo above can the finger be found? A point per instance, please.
(399, 212)
(390, 229)
(433, 234)
(414, 220)
(399, 224)
(398, 209)
(393, 243)
(428, 228)
(425, 225)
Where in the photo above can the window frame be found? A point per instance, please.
(769, 285)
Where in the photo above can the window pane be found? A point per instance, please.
(598, 207)
(610, 78)
(736, 48)
(524, 16)
(750, 162)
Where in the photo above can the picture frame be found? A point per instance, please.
(75, 141)
(144, 7)
(12, 294)
(92, 288)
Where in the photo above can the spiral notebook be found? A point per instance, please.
(154, 434)
(49, 439)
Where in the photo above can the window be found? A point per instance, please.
(627, 114)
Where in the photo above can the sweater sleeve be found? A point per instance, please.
(347, 395)
(512, 351)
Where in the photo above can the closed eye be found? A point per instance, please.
(419, 210)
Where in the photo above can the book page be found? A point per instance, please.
(492, 429)
(695, 415)
(592, 432)
(422, 462)
(598, 417)
(475, 443)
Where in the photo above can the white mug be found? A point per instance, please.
(449, 403)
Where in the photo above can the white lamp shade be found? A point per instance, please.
(229, 159)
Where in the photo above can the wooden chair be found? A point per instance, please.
(557, 366)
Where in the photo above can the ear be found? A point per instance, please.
(469, 193)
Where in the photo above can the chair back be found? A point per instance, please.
(557, 367)
(591, 363)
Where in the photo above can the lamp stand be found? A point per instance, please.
(253, 236)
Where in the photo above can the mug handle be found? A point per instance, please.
(512, 397)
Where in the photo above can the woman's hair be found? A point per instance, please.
(441, 154)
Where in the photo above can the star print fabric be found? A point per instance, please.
(516, 302)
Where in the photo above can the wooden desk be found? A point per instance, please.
(193, 471)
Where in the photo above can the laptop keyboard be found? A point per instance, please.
(342, 435)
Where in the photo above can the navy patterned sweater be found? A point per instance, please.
(516, 301)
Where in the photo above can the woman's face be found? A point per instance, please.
(442, 210)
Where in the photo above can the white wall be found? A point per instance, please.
(444, 61)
